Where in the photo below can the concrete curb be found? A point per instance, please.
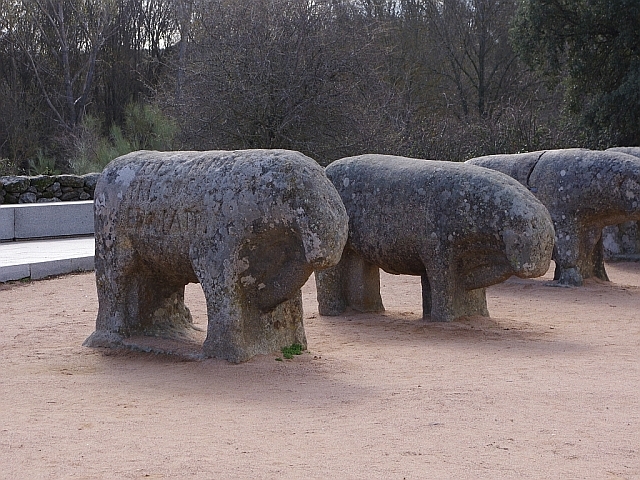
(38, 259)
(66, 226)
(38, 271)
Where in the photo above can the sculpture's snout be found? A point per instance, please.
(529, 251)
(323, 246)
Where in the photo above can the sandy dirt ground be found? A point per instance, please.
(548, 387)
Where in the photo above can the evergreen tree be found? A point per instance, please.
(592, 47)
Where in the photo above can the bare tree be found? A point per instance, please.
(184, 10)
(273, 74)
(62, 44)
(472, 39)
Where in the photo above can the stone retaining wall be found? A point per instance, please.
(47, 188)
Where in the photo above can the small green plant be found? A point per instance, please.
(146, 127)
(291, 350)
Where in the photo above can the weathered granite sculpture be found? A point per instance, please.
(250, 226)
(461, 228)
(584, 190)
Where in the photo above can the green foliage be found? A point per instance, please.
(91, 151)
(592, 48)
(145, 128)
(291, 350)
(43, 165)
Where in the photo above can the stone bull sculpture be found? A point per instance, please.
(249, 226)
(584, 190)
(460, 228)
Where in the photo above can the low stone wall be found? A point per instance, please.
(47, 188)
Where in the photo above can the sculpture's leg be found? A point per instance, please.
(159, 303)
(354, 282)
(362, 280)
(470, 303)
(331, 290)
(592, 254)
(224, 327)
(112, 283)
(267, 332)
(237, 329)
(139, 304)
(442, 298)
(449, 300)
(426, 296)
(566, 254)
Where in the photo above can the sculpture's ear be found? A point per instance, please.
(275, 265)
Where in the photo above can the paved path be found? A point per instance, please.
(41, 258)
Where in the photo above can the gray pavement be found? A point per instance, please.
(38, 259)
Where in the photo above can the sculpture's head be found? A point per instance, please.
(323, 225)
(528, 243)
(320, 218)
(302, 226)
(508, 232)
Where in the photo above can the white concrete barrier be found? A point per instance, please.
(7, 224)
(45, 220)
(42, 258)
